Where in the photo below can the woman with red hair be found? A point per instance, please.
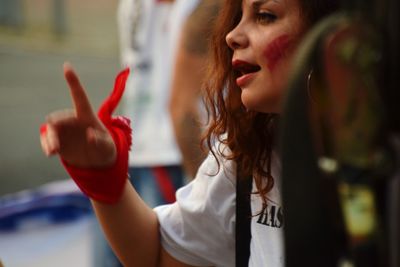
(253, 46)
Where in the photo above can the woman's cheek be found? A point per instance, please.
(276, 50)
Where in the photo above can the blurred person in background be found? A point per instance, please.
(149, 32)
(190, 68)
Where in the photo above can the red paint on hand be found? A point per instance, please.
(43, 129)
(106, 184)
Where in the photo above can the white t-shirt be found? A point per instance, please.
(149, 31)
(199, 228)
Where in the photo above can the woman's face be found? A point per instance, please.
(263, 45)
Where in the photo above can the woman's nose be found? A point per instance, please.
(236, 38)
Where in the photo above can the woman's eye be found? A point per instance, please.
(265, 17)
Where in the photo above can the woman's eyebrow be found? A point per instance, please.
(258, 3)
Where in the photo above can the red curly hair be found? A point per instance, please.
(248, 134)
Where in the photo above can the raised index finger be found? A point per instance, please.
(80, 100)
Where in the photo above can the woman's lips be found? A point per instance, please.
(243, 80)
(245, 70)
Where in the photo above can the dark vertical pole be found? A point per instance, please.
(390, 95)
(393, 214)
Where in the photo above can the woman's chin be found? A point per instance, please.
(248, 103)
(252, 105)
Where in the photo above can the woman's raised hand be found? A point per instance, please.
(77, 135)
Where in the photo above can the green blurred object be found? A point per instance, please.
(341, 162)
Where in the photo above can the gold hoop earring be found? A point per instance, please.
(309, 77)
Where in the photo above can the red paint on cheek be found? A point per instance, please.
(276, 50)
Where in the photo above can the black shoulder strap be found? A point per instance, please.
(243, 219)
